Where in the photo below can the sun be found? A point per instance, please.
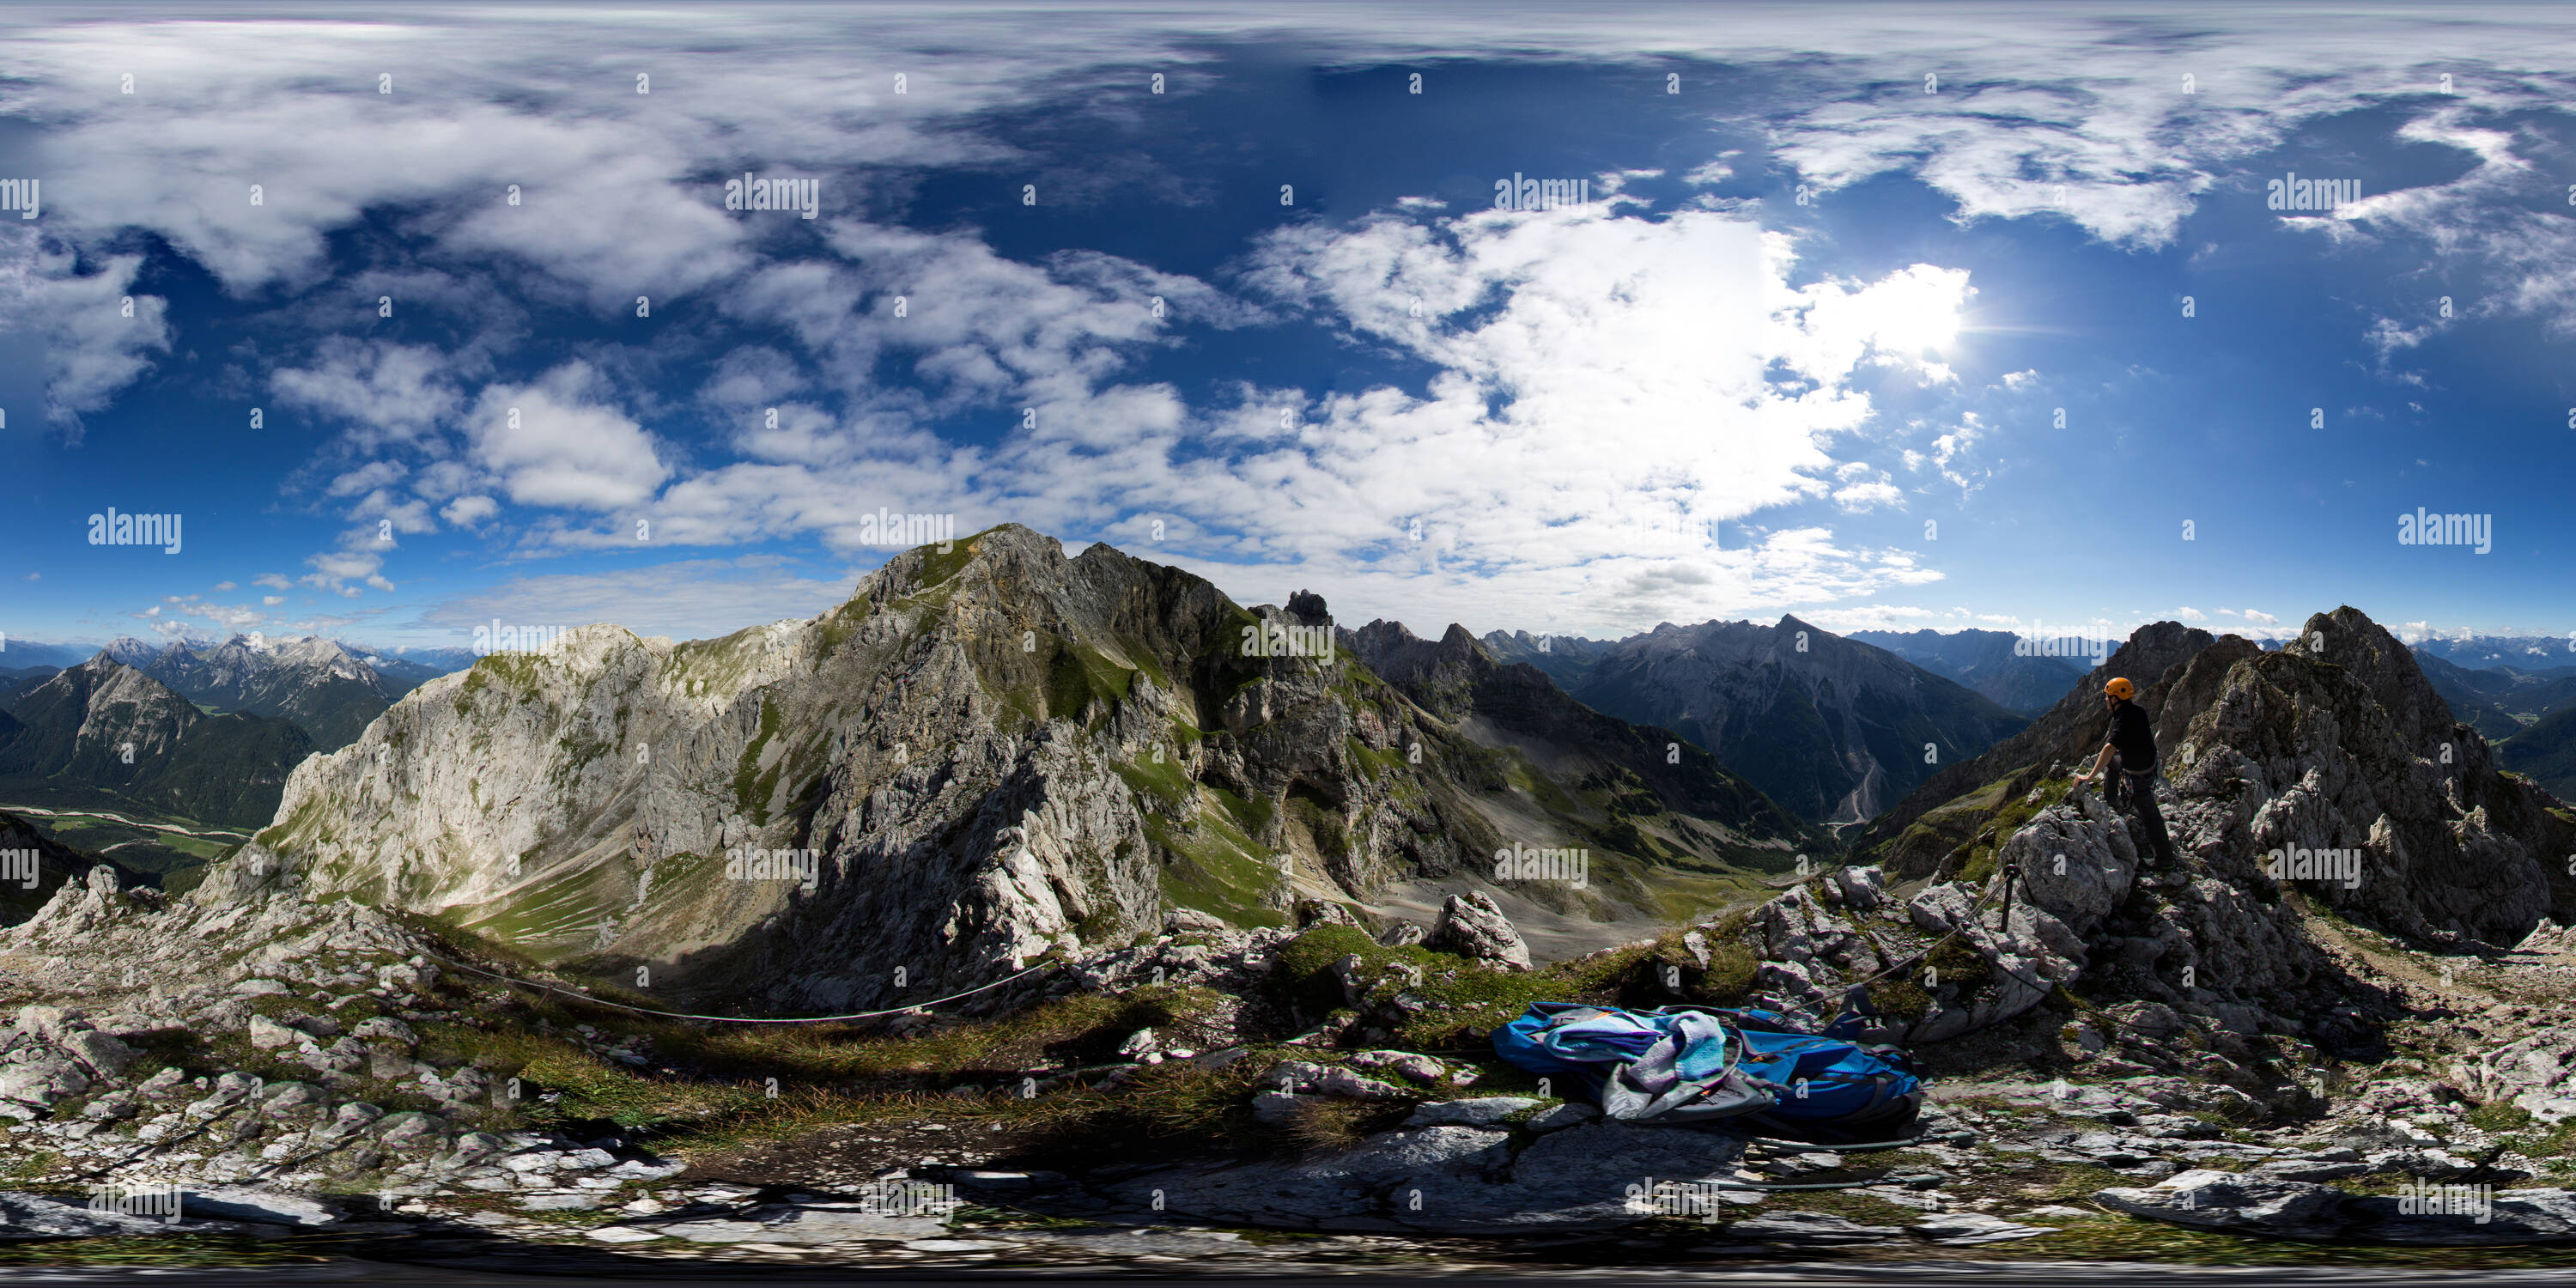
(1917, 311)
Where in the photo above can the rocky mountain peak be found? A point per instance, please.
(131, 651)
(1833, 730)
(1440, 675)
(2383, 664)
(991, 751)
(99, 666)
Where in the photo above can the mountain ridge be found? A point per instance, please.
(1830, 728)
(104, 732)
(988, 753)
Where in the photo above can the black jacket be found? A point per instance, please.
(2132, 738)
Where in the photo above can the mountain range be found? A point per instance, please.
(2545, 751)
(998, 751)
(1638, 771)
(1832, 729)
(988, 753)
(1985, 662)
(2499, 700)
(320, 685)
(2336, 740)
(104, 734)
(2478, 652)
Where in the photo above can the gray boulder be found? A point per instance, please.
(1447, 1179)
(1326, 1079)
(268, 1207)
(1811, 1229)
(2441, 1216)
(42, 1080)
(385, 1028)
(1473, 926)
(104, 1055)
(1484, 1111)
(1402, 934)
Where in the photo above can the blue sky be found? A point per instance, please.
(1804, 350)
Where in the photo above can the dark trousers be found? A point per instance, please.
(2140, 786)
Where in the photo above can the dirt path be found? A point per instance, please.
(2459, 990)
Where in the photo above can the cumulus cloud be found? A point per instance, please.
(1604, 390)
(384, 393)
(371, 477)
(470, 511)
(93, 348)
(563, 442)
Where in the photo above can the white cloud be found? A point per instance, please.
(2191, 615)
(562, 442)
(1585, 434)
(93, 350)
(366, 478)
(1587, 430)
(470, 511)
(232, 617)
(686, 599)
(359, 558)
(1859, 498)
(271, 580)
(1623, 364)
(387, 393)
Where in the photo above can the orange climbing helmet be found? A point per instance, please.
(2121, 689)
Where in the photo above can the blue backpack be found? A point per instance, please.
(1750, 1068)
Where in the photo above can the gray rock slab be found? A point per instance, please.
(1447, 1179)
(2463, 1216)
(1484, 1111)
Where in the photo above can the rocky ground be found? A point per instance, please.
(319, 1077)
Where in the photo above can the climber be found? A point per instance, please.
(2130, 754)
